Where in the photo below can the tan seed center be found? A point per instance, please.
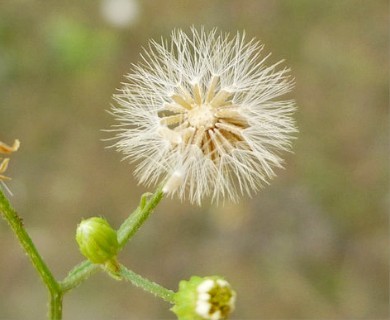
(205, 117)
(202, 116)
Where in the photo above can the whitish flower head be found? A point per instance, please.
(200, 112)
(208, 298)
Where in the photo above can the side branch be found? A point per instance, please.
(131, 225)
(78, 274)
(147, 285)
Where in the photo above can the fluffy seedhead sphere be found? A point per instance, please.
(201, 114)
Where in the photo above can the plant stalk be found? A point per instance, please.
(16, 224)
(56, 306)
(132, 224)
(146, 284)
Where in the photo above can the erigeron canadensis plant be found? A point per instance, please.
(201, 115)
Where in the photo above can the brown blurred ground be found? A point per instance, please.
(313, 245)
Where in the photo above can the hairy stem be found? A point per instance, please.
(78, 274)
(131, 225)
(16, 224)
(146, 284)
(56, 306)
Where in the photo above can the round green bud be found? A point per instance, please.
(208, 298)
(97, 241)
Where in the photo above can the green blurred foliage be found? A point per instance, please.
(314, 244)
(74, 47)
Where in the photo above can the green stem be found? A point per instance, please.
(78, 274)
(131, 225)
(56, 306)
(146, 284)
(16, 224)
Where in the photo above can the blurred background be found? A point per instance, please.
(312, 245)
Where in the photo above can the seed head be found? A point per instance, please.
(200, 113)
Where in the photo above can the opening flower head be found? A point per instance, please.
(199, 112)
(208, 298)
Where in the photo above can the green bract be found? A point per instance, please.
(208, 298)
(97, 241)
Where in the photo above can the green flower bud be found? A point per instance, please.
(208, 298)
(97, 240)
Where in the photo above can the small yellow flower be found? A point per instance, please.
(6, 149)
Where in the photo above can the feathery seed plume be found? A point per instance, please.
(202, 113)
